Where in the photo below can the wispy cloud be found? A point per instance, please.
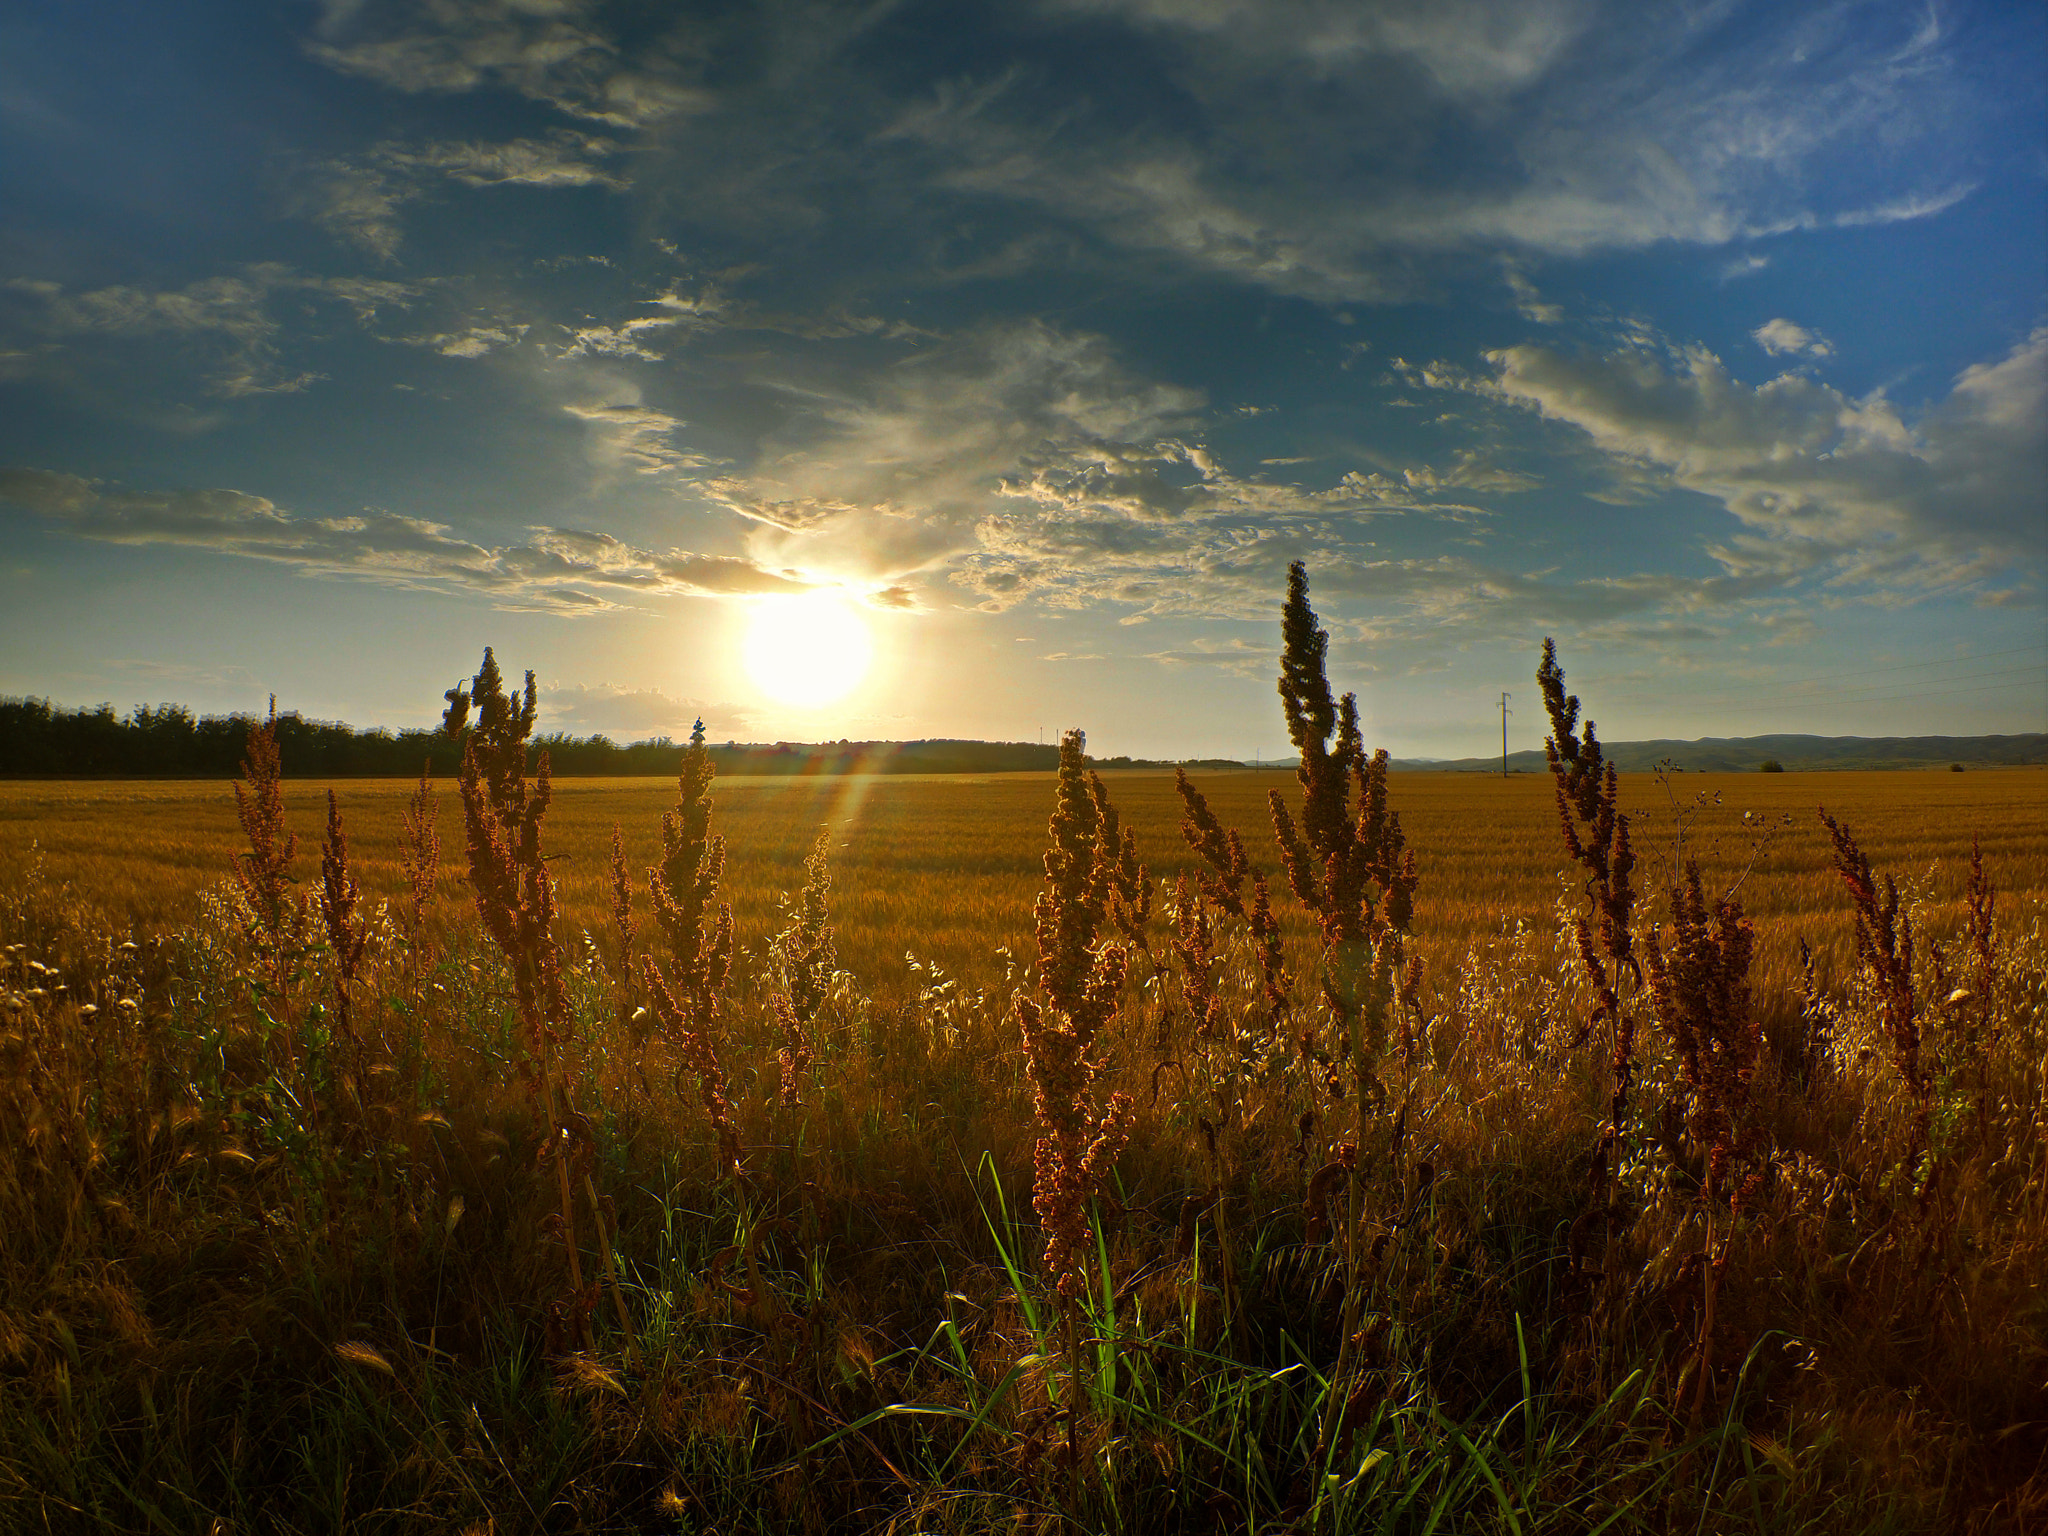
(1231, 575)
(1528, 301)
(1335, 152)
(474, 341)
(357, 204)
(560, 159)
(1338, 144)
(1028, 461)
(360, 199)
(231, 318)
(1243, 657)
(560, 570)
(628, 435)
(675, 315)
(1466, 47)
(890, 473)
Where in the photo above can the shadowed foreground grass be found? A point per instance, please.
(242, 1290)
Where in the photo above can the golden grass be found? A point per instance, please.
(947, 868)
(296, 1215)
(189, 1254)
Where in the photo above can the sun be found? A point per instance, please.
(807, 650)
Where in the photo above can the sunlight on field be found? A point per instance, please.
(833, 1181)
(947, 868)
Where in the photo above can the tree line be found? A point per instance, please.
(168, 741)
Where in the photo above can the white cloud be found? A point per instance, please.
(1900, 210)
(1781, 338)
(561, 570)
(1821, 482)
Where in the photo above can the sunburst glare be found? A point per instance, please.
(807, 650)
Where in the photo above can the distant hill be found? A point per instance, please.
(1796, 754)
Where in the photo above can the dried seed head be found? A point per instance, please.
(1081, 976)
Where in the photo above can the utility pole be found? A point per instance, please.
(1504, 713)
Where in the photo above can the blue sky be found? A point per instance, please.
(338, 340)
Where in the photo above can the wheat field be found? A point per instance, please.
(946, 868)
(1004, 1163)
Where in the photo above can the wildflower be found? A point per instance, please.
(1884, 943)
(1596, 836)
(685, 991)
(515, 899)
(804, 956)
(1082, 982)
(1702, 1001)
(1353, 872)
(339, 897)
(264, 873)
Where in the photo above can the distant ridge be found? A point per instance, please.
(1795, 754)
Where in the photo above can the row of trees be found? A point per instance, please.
(38, 740)
(168, 741)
